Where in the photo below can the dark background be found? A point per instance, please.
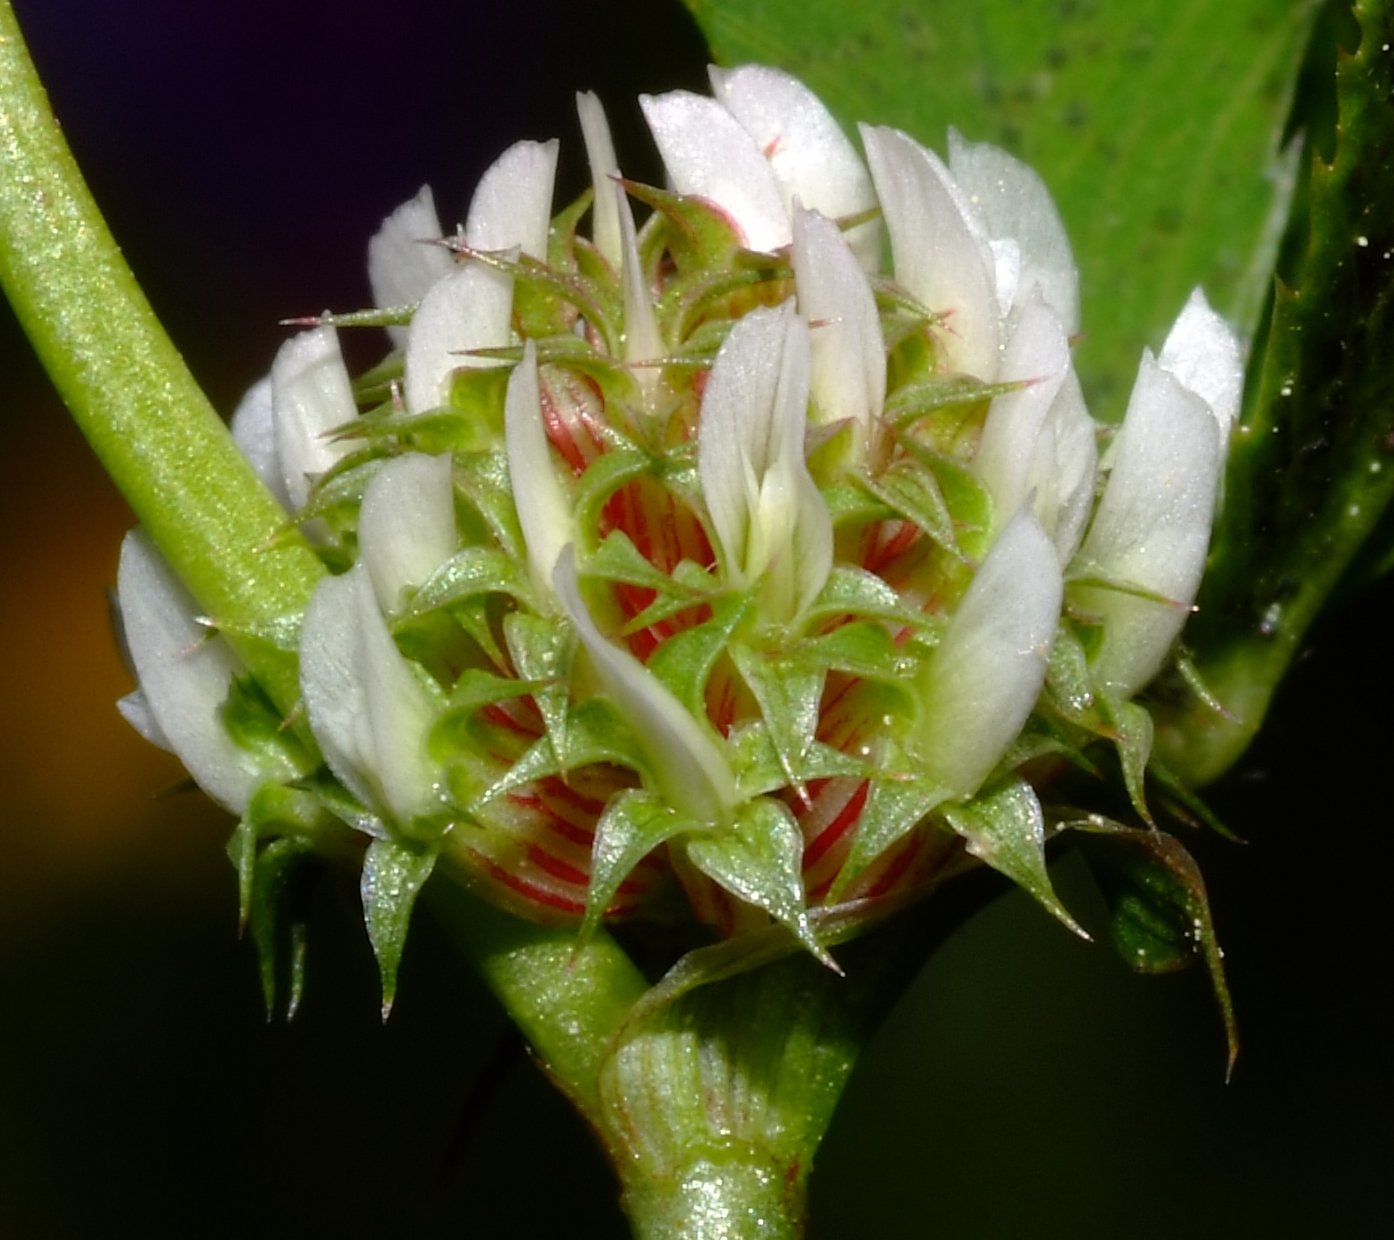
(1028, 1086)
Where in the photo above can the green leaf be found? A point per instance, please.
(1311, 474)
(1155, 124)
(1159, 911)
(1005, 828)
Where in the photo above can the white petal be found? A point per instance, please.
(768, 514)
(399, 716)
(848, 359)
(311, 395)
(1203, 352)
(472, 308)
(1066, 463)
(942, 257)
(184, 678)
(987, 672)
(686, 761)
(544, 510)
(134, 708)
(642, 339)
(1037, 354)
(335, 699)
(707, 152)
(402, 261)
(600, 154)
(254, 432)
(1015, 205)
(1152, 527)
(512, 205)
(367, 710)
(406, 525)
(812, 159)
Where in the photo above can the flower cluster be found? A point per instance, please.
(717, 563)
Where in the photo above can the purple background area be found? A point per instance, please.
(244, 152)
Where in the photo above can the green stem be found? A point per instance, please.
(569, 999)
(127, 387)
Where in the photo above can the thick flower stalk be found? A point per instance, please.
(760, 561)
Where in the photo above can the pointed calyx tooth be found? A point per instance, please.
(1152, 527)
(544, 509)
(684, 757)
(942, 256)
(403, 259)
(707, 152)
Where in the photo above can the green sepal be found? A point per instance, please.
(274, 868)
(1069, 683)
(275, 809)
(1159, 912)
(967, 499)
(1186, 805)
(861, 648)
(788, 697)
(910, 490)
(541, 653)
(603, 477)
(469, 573)
(851, 591)
(944, 395)
(633, 825)
(595, 732)
(561, 232)
(697, 236)
(759, 768)
(270, 633)
(477, 688)
(1005, 828)
(1132, 737)
(894, 808)
(394, 871)
(482, 478)
(684, 662)
(758, 860)
(254, 725)
(618, 559)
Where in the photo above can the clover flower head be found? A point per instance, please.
(758, 558)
